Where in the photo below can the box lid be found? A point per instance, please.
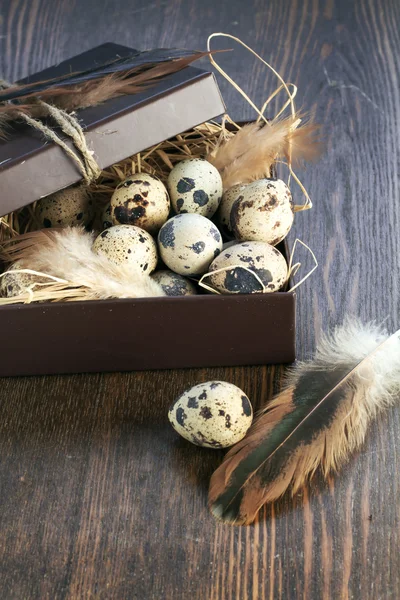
(31, 167)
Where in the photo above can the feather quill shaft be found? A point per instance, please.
(319, 419)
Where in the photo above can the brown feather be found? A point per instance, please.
(96, 91)
(304, 144)
(250, 154)
(92, 92)
(317, 422)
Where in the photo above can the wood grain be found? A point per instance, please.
(98, 497)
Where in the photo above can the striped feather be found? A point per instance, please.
(319, 419)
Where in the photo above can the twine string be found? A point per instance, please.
(83, 158)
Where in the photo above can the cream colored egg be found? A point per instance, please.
(195, 186)
(262, 259)
(141, 200)
(215, 414)
(105, 219)
(263, 212)
(13, 283)
(69, 207)
(174, 284)
(223, 216)
(127, 244)
(188, 243)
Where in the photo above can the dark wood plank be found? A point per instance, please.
(98, 497)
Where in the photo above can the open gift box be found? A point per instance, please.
(139, 333)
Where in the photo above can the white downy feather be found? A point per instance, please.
(351, 343)
(69, 256)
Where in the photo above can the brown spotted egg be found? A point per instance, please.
(14, 283)
(195, 186)
(69, 207)
(140, 200)
(263, 259)
(188, 244)
(215, 414)
(174, 284)
(223, 215)
(263, 212)
(127, 244)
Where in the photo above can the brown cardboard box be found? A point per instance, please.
(146, 333)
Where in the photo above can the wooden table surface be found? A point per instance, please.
(98, 497)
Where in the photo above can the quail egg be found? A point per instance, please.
(215, 414)
(174, 284)
(127, 244)
(195, 186)
(140, 200)
(263, 212)
(14, 283)
(68, 207)
(188, 244)
(223, 215)
(263, 259)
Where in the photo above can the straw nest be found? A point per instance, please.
(157, 160)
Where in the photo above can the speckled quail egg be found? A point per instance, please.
(127, 244)
(188, 244)
(140, 200)
(263, 212)
(13, 283)
(265, 260)
(215, 414)
(69, 207)
(174, 284)
(195, 186)
(223, 215)
(105, 219)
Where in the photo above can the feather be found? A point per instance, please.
(316, 422)
(97, 91)
(303, 144)
(126, 67)
(67, 254)
(85, 90)
(251, 153)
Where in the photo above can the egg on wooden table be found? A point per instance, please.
(263, 212)
(141, 200)
(215, 414)
(127, 244)
(195, 186)
(261, 258)
(188, 243)
(66, 208)
(174, 284)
